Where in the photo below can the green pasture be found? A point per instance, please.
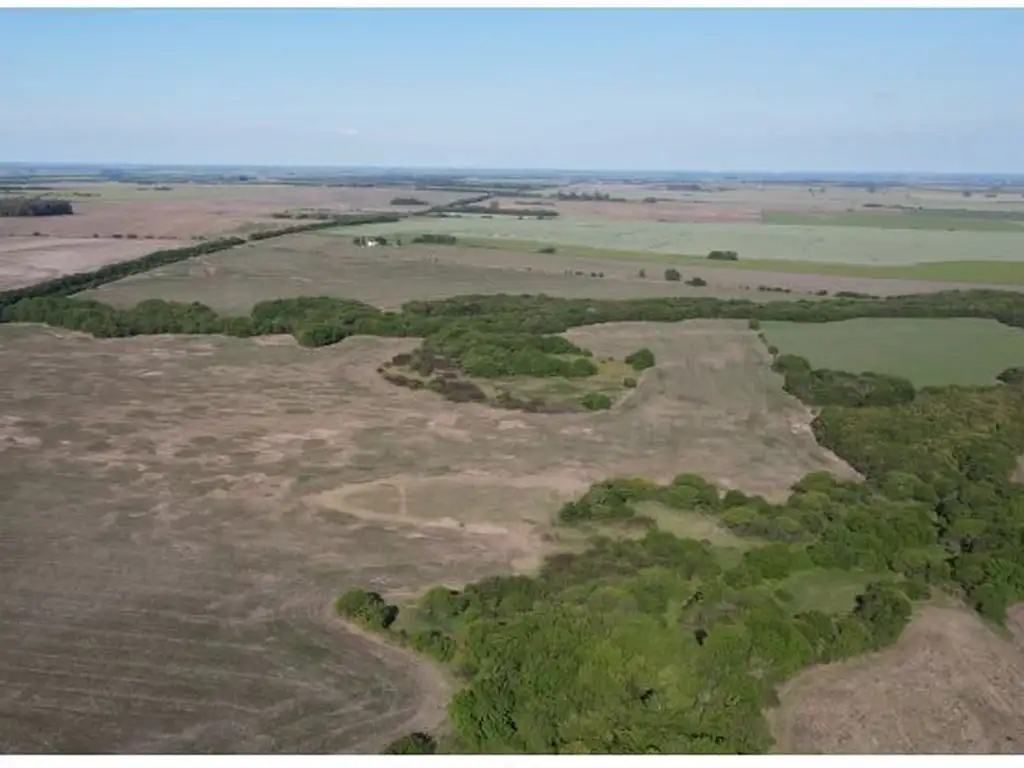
(929, 352)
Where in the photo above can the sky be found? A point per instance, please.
(726, 90)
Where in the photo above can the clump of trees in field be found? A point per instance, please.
(640, 360)
(723, 256)
(434, 239)
(34, 206)
(408, 201)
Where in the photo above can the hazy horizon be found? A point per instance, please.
(885, 92)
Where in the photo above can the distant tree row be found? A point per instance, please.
(34, 206)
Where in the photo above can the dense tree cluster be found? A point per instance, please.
(432, 239)
(820, 386)
(34, 206)
(724, 256)
(408, 201)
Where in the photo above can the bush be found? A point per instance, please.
(547, 249)
(596, 401)
(672, 275)
(697, 282)
(629, 383)
(641, 359)
(412, 744)
(367, 608)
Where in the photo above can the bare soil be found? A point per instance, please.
(178, 513)
(951, 685)
(29, 260)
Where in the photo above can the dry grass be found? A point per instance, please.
(178, 511)
(950, 685)
(29, 260)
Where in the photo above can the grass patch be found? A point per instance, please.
(966, 351)
(689, 524)
(828, 590)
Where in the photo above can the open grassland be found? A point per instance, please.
(754, 242)
(192, 210)
(949, 685)
(304, 265)
(938, 221)
(935, 352)
(915, 278)
(178, 512)
(29, 260)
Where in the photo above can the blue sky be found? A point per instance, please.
(633, 90)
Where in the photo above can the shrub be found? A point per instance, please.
(547, 249)
(672, 275)
(596, 401)
(412, 744)
(697, 282)
(640, 360)
(367, 608)
(629, 383)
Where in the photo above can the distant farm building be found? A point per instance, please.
(365, 241)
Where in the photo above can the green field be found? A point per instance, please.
(934, 220)
(928, 352)
(754, 242)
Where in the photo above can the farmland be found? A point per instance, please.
(328, 264)
(307, 264)
(29, 260)
(859, 246)
(190, 491)
(919, 350)
(185, 211)
(242, 483)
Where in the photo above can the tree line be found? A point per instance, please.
(34, 206)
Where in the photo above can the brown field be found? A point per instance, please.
(179, 511)
(321, 264)
(29, 260)
(188, 210)
(951, 685)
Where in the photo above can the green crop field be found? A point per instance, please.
(928, 352)
(933, 220)
(828, 245)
